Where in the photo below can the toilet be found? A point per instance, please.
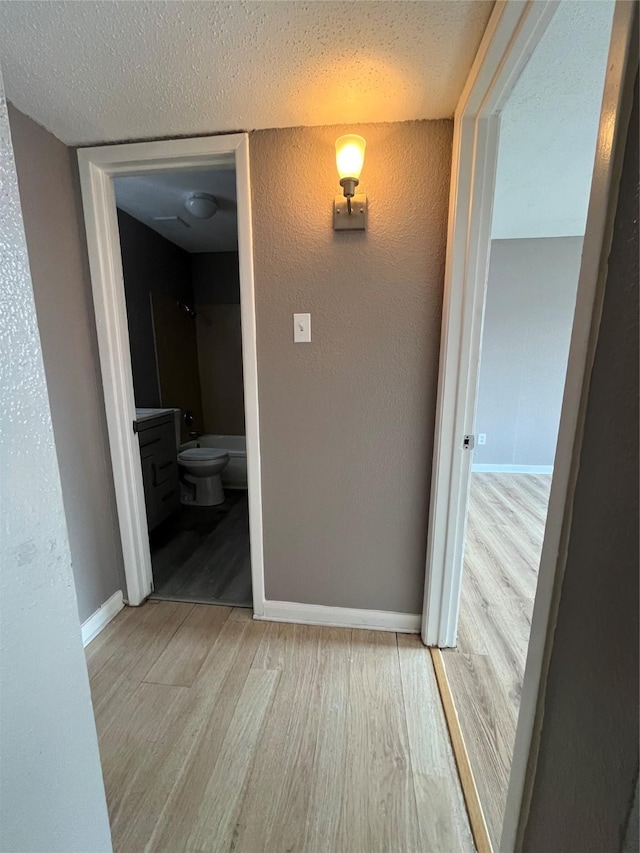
(200, 482)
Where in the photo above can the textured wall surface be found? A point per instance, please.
(150, 264)
(104, 72)
(51, 789)
(588, 761)
(531, 296)
(62, 290)
(347, 421)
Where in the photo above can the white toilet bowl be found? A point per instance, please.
(200, 482)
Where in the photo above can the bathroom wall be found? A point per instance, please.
(216, 287)
(347, 421)
(531, 295)
(150, 264)
(51, 789)
(215, 278)
(219, 332)
(62, 290)
(586, 774)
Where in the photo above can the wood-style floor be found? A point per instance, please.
(220, 733)
(202, 554)
(505, 528)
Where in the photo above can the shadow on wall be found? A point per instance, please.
(190, 361)
(216, 291)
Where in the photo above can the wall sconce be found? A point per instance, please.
(349, 209)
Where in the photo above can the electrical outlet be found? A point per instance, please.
(482, 438)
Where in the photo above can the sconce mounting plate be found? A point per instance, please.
(354, 221)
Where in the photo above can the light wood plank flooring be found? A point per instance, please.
(220, 733)
(505, 527)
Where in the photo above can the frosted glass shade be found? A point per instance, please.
(350, 156)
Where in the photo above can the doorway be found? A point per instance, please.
(179, 248)
(208, 547)
(507, 377)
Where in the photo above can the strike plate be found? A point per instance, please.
(354, 221)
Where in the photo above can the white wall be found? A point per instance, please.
(51, 789)
(531, 294)
(550, 123)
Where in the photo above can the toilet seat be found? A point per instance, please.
(202, 454)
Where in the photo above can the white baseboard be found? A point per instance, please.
(101, 618)
(511, 469)
(341, 617)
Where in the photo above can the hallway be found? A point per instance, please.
(218, 732)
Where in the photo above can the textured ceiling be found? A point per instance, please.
(165, 194)
(549, 127)
(93, 72)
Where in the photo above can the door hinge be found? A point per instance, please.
(468, 442)
(135, 427)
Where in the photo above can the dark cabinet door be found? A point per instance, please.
(158, 456)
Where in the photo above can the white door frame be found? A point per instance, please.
(514, 30)
(98, 166)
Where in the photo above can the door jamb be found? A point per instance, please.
(514, 30)
(98, 166)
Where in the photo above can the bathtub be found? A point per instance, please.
(234, 476)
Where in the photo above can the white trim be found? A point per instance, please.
(488, 468)
(99, 620)
(340, 617)
(514, 30)
(98, 166)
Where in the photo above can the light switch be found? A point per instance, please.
(302, 328)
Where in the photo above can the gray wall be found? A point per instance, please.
(531, 294)
(216, 289)
(51, 789)
(150, 264)
(588, 761)
(347, 421)
(216, 278)
(219, 335)
(62, 289)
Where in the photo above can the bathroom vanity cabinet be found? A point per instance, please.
(158, 454)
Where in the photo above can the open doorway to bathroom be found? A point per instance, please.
(179, 246)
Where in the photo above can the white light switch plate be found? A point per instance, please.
(302, 328)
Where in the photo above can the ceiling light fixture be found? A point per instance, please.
(201, 205)
(350, 212)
